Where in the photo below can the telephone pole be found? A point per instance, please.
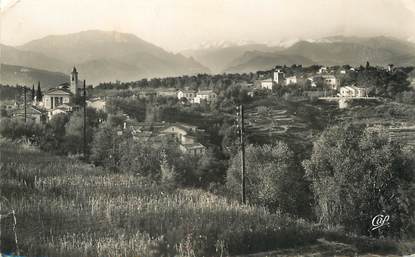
(84, 125)
(240, 113)
(25, 111)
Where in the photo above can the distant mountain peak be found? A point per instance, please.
(102, 56)
(221, 44)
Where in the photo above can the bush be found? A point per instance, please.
(358, 173)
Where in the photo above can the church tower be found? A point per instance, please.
(74, 81)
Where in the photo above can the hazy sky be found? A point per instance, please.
(180, 24)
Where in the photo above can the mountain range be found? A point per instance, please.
(335, 50)
(100, 56)
(108, 56)
(219, 57)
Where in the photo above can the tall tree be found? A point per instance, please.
(39, 92)
(33, 92)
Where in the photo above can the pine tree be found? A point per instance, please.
(39, 92)
(33, 92)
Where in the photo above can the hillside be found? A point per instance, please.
(12, 75)
(13, 56)
(103, 56)
(254, 61)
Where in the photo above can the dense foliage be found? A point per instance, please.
(272, 178)
(357, 173)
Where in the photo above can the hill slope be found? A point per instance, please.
(13, 56)
(12, 75)
(254, 61)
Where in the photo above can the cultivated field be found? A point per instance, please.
(66, 208)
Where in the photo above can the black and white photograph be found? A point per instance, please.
(207, 128)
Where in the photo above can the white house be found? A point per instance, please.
(278, 76)
(193, 149)
(267, 84)
(291, 80)
(96, 103)
(187, 94)
(182, 134)
(205, 95)
(353, 91)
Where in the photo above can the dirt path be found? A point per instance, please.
(322, 249)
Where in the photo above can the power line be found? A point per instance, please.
(84, 123)
(240, 113)
(25, 105)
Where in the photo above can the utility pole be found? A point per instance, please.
(84, 125)
(240, 113)
(25, 111)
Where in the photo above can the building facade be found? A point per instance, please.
(55, 97)
(96, 103)
(187, 94)
(205, 95)
(353, 91)
(291, 80)
(182, 134)
(267, 84)
(278, 76)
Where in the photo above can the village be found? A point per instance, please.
(324, 83)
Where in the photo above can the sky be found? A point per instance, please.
(182, 24)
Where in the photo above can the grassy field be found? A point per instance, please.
(67, 208)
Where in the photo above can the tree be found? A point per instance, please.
(357, 173)
(33, 92)
(107, 147)
(18, 129)
(54, 135)
(39, 92)
(210, 170)
(74, 130)
(272, 180)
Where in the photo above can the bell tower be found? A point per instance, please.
(74, 81)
